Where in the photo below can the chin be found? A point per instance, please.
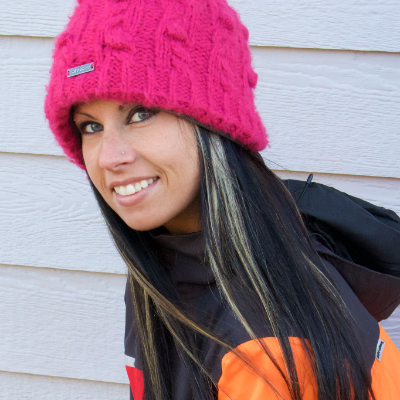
(143, 224)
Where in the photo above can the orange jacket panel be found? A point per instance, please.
(240, 382)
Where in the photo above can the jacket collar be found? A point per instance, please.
(184, 257)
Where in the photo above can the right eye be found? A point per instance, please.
(92, 128)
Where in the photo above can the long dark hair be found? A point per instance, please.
(258, 248)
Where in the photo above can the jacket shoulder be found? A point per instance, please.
(360, 239)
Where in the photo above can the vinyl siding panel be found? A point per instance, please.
(325, 111)
(56, 222)
(329, 24)
(329, 94)
(65, 324)
(36, 387)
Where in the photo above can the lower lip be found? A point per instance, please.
(133, 199)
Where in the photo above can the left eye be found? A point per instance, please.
(141, 115)
(92, 128)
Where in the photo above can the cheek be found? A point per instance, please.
(88, 159)
(179, 164)
(86, 154)
(89, 148)
(184, 163)
(187, 184)
(92, 167)
(175, 151)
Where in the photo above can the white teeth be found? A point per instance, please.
(133, 188)
(130, 189)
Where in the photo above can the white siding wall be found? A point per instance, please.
(329, 86)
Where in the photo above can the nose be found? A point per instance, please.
(115, 151)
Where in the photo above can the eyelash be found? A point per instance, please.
(151, 111)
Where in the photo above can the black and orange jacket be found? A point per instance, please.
(359, 244)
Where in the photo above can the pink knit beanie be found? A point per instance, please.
(190, 57)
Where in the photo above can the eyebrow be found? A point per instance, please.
(129, 105)
(82, 113)
(120, 108)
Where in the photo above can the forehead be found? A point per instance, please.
(103, 104)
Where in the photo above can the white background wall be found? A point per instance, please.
(329, 93)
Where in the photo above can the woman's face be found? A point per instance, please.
(144, 164)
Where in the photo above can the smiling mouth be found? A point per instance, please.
(135, 187)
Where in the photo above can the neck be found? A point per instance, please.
(182, 229)
(188, 221)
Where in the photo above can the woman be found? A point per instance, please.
(227, 295)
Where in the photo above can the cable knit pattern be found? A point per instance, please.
(187, 56)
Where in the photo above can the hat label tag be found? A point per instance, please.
(82, 69)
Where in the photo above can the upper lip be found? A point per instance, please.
(132, 181)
